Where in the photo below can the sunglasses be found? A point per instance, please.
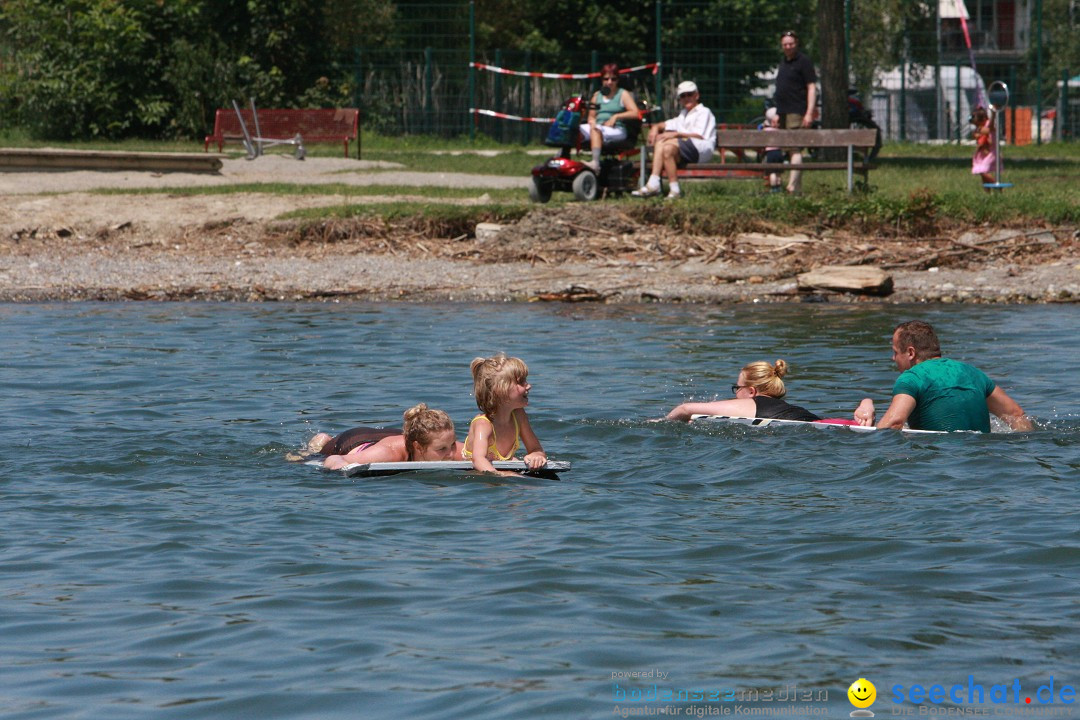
(683, 96)
(736, 388)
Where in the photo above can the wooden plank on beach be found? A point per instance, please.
(860, 279)
(19, 159)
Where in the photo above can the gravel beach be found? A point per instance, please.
(60, 240)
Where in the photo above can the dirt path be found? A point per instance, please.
(59, 199)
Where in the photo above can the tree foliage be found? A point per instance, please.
(561, 28)
(886, 33)
(1061, 33)
(159, 68)
(82, 68)
(153, 68)
(750, 32)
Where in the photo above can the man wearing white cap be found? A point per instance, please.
(687, 138)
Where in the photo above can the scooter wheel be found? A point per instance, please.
(539, 191)
(586, 188)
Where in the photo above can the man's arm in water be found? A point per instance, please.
(1010, 412)
(899, 411)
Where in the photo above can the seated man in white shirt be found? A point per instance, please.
(687, 138)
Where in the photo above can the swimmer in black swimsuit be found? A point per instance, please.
(349, 440)
(343, 444)
(426, 434)
(757, 395)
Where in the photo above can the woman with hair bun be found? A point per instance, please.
(757, 395)
(426, 434)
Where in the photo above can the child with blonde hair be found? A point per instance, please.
(426, 434)
(501, 387)
(773, 154)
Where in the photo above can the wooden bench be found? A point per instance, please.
(739, 141)
(313, 125)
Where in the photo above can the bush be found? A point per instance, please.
(79, 69)
(88, 69)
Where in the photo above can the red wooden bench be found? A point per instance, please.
(313, 125)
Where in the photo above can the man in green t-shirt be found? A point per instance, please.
(936, 393)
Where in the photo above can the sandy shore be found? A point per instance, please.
(60, 241)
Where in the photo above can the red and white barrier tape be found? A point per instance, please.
(504, 116)
(560, 76)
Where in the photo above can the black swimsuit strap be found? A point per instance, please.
(351, 439)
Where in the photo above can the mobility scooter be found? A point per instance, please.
(617, 174)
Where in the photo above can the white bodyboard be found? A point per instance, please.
(774, 422)
(390, 468)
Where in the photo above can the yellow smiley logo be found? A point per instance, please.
(862, 693)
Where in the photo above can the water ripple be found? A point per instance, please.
(159, 556)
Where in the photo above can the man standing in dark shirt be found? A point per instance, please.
(796, 96)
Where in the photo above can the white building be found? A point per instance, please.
(921, 97)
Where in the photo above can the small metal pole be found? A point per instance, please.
(248, 145)
(472, 70)
(500, 129)
(939, 89)
(959, 113)
(997, 97)
(658, 77)
(258, 131)
(1038, 72)
(903, 99)
(526, 130)
(1063, 114)
(720, 99)
(1011, 137)
(428, 95)
(850, 168)
(644, 156)
(997, 153)
(358, 85)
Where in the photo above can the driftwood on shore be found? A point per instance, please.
(590, 232)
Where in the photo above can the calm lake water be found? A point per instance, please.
(159, 558)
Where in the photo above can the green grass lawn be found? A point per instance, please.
(913, 185)
(910, 178)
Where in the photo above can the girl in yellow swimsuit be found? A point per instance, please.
(501, 387)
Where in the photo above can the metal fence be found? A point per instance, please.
(427, 86)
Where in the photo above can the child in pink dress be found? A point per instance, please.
(984, 160)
